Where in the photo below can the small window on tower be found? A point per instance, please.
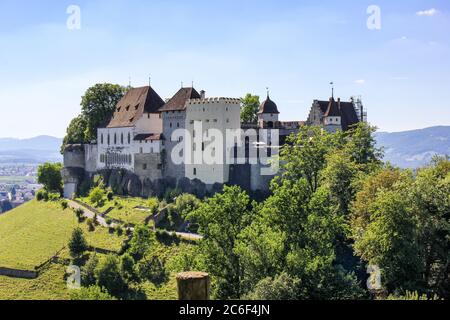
(195, 171)
(144, 166)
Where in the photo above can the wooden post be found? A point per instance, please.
(193, 286)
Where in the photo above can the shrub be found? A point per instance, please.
(110, 195)
(282, 287)
(108, 275)
(97, 196)
(54, 196)
(88, 271)
(77, 243)
(93, 293)
(91, 225)
(64, 204)
(42, 195)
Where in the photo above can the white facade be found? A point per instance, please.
(266, 118)
(213, 116)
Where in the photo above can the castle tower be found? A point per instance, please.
(332, 119)
(268, 114)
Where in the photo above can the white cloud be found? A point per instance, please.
(427, 13)
(361, 81)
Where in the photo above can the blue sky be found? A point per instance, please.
(228, 48)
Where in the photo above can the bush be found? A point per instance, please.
(64, 204)
(77, 243)
(93, 293)
(97, 197)
(42, 195)
(109, 276)
(53, 196)
(282, 287)
(91, 225)
(110, 195)
(88, 271)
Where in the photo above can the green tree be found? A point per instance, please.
(109, 276)
(93, 293)
(221, 219)
(431, 204)
(305, 154)
(362, 146)
(142, 240)
(75, 132)
(77, 243)
(49, 175)
(127, 267)
(282, 287)
(97, 196)
(390, 240)
(98, 105)
(88, 271)
(250, 107)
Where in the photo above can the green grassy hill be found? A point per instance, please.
(31, 234)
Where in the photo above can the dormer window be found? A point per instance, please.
(136, 107)
(119, 108)
(127, 108)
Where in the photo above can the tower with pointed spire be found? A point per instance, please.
(268, 113)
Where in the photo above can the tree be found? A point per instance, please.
(109, 276)
(97, 196)
(390, 240)
(49, 175)
(282, 287)
(431, 204)
(250, 107)
(127, 267)
(362, 146)
(98, 105)
(76, 132)
(221, 219)
(304, 156)
(88, 271)
(77, 243)
(93, 293)
(140, 243)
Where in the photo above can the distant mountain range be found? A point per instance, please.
(30, 151)
(412, 149)
(408, 149)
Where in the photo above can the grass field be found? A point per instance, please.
(32, 233)
(15, 179)
(124, 209)
(49, 286)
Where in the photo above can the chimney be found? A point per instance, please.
(203, 94)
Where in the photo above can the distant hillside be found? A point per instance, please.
(412, 149)
(30, 151)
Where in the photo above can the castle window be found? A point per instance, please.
(159, 166)
(141, 150)
(101, 138)
(121, 138)
(171, 124)
(144, 166)
(115, 138)
(178, 125)
(109, 140)
(129, 138)
(195, 171)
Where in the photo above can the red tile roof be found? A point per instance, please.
(178, 101)
(133, 105)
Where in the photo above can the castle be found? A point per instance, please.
(192, 142)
